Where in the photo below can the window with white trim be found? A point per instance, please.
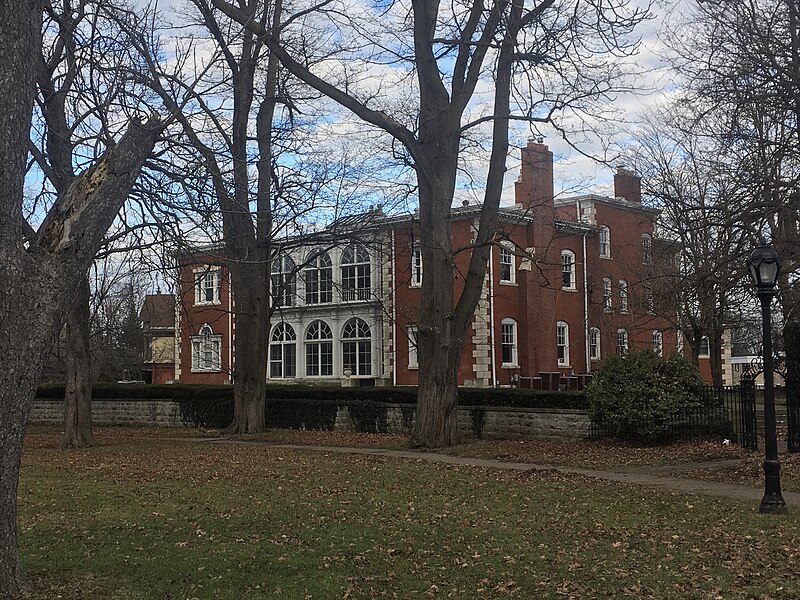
(562, 343)
(568, 270)
(508, 342)
(623, 296)
(607, 295)
(705, 348)
(356, 282)
(413, 354)
(647, 249)
(207, 350)
(208, 285)
(283, 352)
(605, 242)
(416, 266)
(622, 342)
(356, 347)
(508, 271)
(594, 343)
(284, 282)
(658, 343)
(319, 350)
(318, 276)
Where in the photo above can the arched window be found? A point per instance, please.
(208, 285)
(318, 276)
(623, 295)
(283, 352)
(647, 249)
(562, 343)
(357, 347)
(622, 342)
(605, 242)
(594, 343)
(508, 342)
(319, 350)
(658, 343)
(206, 350)
(356, 284)
(607, 295)
(284, 285)
(567, 269)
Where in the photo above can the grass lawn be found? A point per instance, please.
(164, 519)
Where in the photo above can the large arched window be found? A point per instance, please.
(568, 270)
(318, 276)
(622, 342)
(206, 350)
(319, 350)
(623, 296)
(605, 242)
(283, 352)
(356, 284)
(284, 285)
(356, 347)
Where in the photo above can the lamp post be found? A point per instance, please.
(764, 265)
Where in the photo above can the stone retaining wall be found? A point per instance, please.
(489, 422)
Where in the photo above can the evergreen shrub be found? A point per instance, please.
(643, 396)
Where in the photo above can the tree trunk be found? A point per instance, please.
(251, 344)
(715, 352)
(78, 389)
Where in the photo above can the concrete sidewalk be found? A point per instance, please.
(644, 476)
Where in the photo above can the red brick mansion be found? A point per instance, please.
(565, 286)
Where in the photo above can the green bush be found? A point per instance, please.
(643, 396)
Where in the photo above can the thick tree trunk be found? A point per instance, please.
(715, 350)
(78, 389)
(251, 345)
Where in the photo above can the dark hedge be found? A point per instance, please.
(392, 395)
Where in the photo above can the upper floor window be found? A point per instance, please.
(658, 343)
(318, 276)
(356, 347)
(607, 294)
(594, 344)
(319, 350)
(647, 249)
(605, 242)
(649, 300)
(622, 342)
(562, 343)
(208, 285)
(508, 342)
(356, 283)
(623, 295)
(416, 266)
(206, 350)
(284, 283)
(508, 271)
(567, 270)
(283, 352)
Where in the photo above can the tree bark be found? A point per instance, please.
(78, 389)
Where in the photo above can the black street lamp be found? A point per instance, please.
(764, 265)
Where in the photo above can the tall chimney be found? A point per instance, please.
(627, 185)
(534, 188)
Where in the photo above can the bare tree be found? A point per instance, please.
(41, 268)
(542, 60)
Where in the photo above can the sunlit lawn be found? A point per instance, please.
(175, 520)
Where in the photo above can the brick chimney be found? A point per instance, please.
(534, 188)
(627, 185)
